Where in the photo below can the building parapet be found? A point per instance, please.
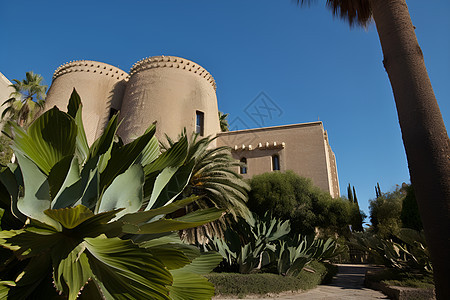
(260, 146)
(172, 62)
(316, 123)
(90, 66)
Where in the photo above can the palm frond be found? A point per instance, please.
(350, 10)
(26, 100)
(214, 177)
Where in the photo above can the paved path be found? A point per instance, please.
(348, 284)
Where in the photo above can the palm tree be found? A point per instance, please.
(215, 179)
(223, 122)
(424, 134)
(26, 100)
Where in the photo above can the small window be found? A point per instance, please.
(199, 123)
(243, 168)
(275, 162)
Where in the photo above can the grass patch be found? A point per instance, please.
(265, 283)
(404, 279)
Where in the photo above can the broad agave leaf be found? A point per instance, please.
(145, 216)
(37, 194)
(84, 223)
(171, 257)
(194, 219)
(160, 182)
(126, 191)
(122, 158)
(9, 179)
(204, 264)
(69, 177)
(48, 140)
(104, 142)
(74, 109)
(58, 174)
(166, 188)
(78, 188)
(70, 217)
(5, 287)
(296, 267)
(127, 271)
(26, 243)
(187, 282)
(71, 271)
(150, 152)
(175, 156)
(172, 241)
(190, 286)
(34, 277)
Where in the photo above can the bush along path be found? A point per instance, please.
(348, 284)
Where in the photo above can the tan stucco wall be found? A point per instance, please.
(100, 87)
(5, 91)
(168, 90)
(302, 148)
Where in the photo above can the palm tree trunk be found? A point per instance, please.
(423, 131)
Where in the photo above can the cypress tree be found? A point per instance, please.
(349, 193)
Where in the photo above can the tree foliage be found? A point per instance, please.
(223, 121)
(5, 150)
(26, 99)
(385, 212)
(291, 197)
(357, 216)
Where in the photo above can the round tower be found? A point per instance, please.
(175, 92)
(100, 86)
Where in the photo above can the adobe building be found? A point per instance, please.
(175, 92)
(178, 93)
(302, 148)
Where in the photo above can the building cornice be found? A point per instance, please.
(172, 62)
(90, 66)
(309, 124)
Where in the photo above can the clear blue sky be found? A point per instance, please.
(313, 66)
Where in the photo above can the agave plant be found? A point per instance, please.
(293, 253)
(94, 217)
(409, 252)
(250, 247)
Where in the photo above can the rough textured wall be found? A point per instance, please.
(302, 148)
(168, 90)
(5, 91)
(100, 86)
(332, 167)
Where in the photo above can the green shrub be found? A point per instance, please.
(264, 283)
(406, 279)
(385, 212)
(290, 197)
(332, 270)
